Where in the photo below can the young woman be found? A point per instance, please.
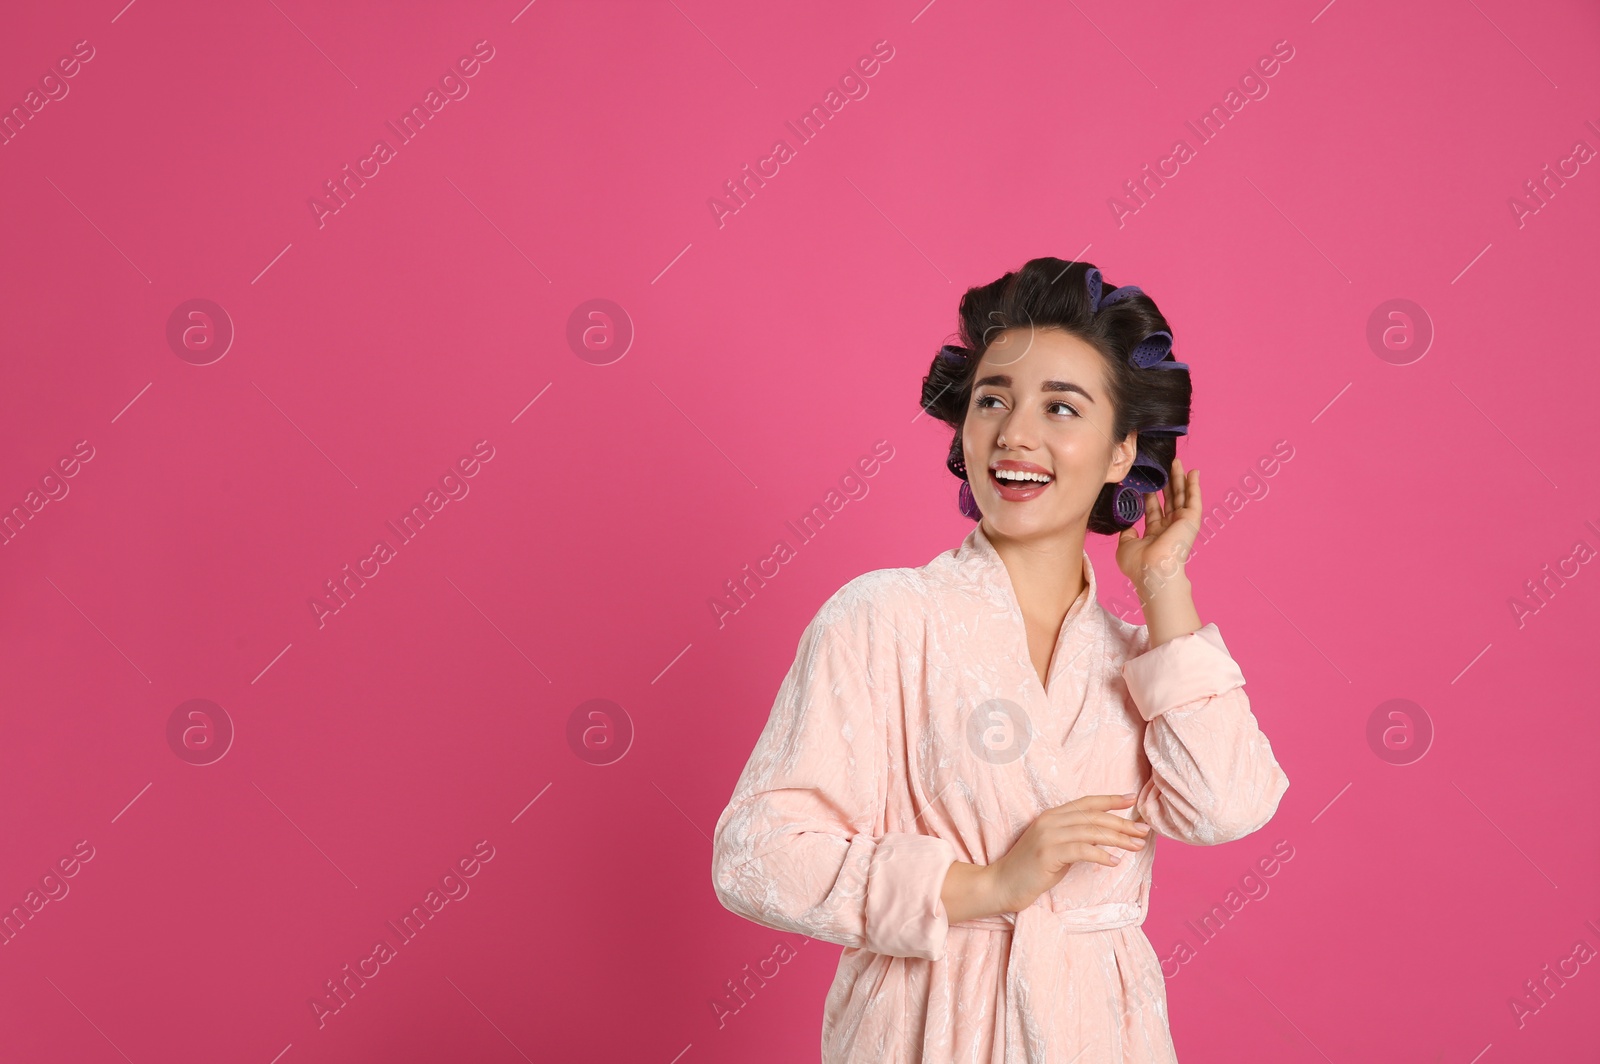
(966, 768)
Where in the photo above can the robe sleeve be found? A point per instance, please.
(800, 846)
(1213, 777)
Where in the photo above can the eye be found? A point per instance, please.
(1066, 406)
(983, 399)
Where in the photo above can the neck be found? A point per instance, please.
(1046, 570)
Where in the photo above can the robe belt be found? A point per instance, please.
(1032, 964)
(1088, 918)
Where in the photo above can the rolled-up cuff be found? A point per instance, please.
(905, 915)
(1184, 669)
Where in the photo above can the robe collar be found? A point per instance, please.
(982, 564)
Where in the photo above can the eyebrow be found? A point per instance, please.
(1004, 381)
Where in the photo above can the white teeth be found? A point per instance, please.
(1017, 474)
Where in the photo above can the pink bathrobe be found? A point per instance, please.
(912, 731)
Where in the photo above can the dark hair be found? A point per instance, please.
(1051, 292)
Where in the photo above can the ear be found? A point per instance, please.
(1122, 458)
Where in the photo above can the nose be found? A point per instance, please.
(1018, 432)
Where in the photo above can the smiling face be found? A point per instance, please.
(1040, 407)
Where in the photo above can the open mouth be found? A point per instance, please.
(1016, 485)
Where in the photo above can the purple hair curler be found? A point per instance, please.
(1146, 475)
(1096, 285)
(968, 504)
(1152, 349)
(1166, 430)
(1127, 506)
(1117, 295)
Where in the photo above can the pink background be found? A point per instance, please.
(432, 712)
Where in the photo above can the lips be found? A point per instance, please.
(1024, 490)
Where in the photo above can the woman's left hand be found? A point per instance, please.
(1152, 560)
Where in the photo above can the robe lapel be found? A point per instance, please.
(1052, 711)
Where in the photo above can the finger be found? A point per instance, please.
(1113, 822)
(1079, 853)
(1067, 827)
(1153, 521)
(1095, 802)
(1122, 835)
(1090, 804)
(1108, 820)
(1179, 495)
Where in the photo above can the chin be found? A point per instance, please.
(1018, 525)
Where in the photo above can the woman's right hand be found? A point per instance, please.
(1060, 837)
